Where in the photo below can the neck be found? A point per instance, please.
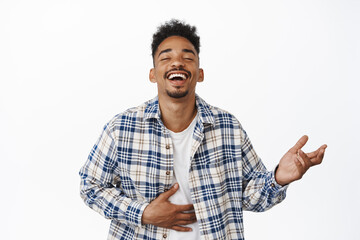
(177, 114)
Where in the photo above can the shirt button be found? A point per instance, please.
(168, 172)
(167, 146)
(164, 235)
(272, 185)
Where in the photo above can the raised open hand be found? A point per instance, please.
(162, 213)
(294, 164)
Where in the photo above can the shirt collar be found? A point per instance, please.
(205, 114)
(152, 109)
(204, 111)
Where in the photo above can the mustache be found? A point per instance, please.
(177, 69)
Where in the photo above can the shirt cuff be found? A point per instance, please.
(134, 212)
(273, 187)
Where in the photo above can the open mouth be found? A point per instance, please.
(178, 75)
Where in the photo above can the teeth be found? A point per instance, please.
(174, 75)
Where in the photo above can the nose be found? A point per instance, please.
(177, 62)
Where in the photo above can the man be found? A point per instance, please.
(178, 168)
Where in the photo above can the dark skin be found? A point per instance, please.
(177, 113)
(294, 164)
(162, 213)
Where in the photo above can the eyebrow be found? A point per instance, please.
(189, 51)
(184, 50)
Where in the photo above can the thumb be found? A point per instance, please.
(302, 141)
(171, 191)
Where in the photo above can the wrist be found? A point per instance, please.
(278, 178)
(144, 218)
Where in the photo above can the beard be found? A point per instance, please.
(177, 93)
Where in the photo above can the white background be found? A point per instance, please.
(283, 68)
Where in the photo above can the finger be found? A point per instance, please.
(184, 208)
(318, 159)
(170, 192)
(186, 217)
(315, 153)
(181, 229)
(302, 141)
(306, 159)
(184, 223)
(301, 161)
(299, 166)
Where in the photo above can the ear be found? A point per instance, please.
(152, 75)
(201, 75)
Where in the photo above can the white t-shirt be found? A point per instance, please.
(182, 142)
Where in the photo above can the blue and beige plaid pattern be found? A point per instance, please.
(132, 163)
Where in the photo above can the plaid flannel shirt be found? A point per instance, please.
(132, 163)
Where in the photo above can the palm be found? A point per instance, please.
(292, 171)
(294, 164)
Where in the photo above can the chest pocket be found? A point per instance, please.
(222, 170)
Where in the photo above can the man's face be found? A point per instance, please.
(176, 68)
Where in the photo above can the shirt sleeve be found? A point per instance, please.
(260, 190)
(98, 184)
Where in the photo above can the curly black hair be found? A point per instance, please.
(175, 27)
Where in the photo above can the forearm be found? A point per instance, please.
(98, 183)
(111, 203)
(262, 192)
